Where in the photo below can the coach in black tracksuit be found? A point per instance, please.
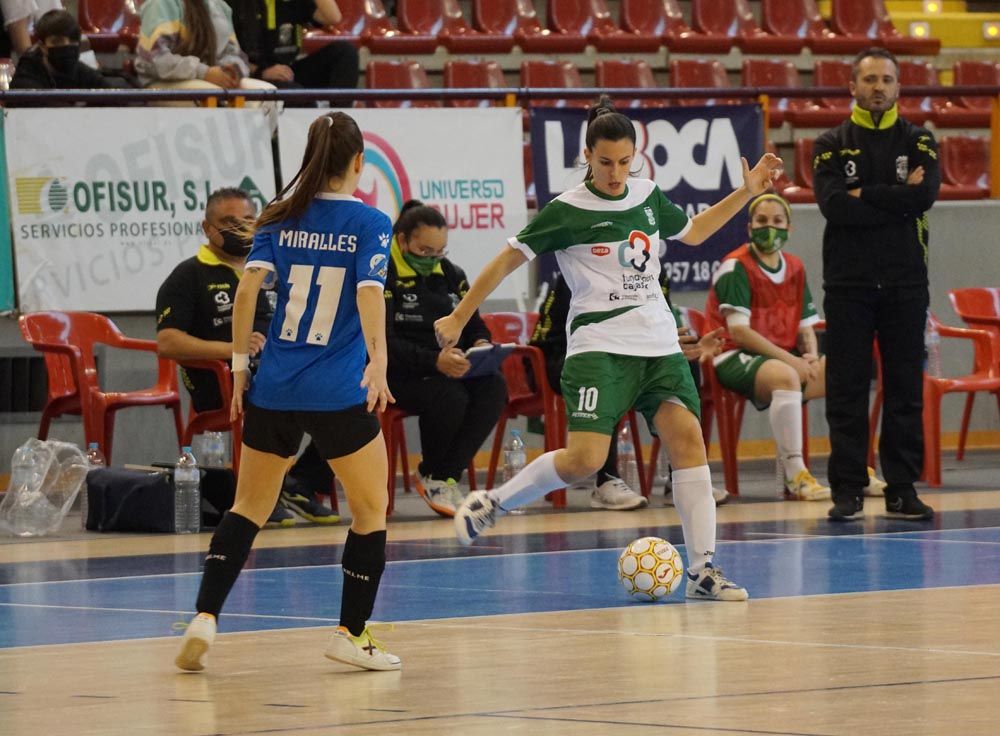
(875, 177)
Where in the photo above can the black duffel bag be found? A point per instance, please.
(122, 500)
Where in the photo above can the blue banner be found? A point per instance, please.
(692, 153)
(6, 254)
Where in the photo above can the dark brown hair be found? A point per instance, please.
(876, 52)
(57, 23)
(606, 123)
(197, 32)
(334, 140)
(414, 214)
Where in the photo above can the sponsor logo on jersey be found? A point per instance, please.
(636, 251)
(378, 266)
(222, 297)
(383, 239)
(600, 250)
(606, 223)
(649, 215)
(902, 169)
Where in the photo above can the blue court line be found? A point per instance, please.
(485, 585)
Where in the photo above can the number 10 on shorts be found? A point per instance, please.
(588, 399)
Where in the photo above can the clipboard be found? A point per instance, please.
(486, 359)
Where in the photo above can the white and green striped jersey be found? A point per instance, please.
(608, 251)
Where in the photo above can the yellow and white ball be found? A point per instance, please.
(650, 568)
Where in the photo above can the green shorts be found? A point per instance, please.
(738, 373)
(600, 388)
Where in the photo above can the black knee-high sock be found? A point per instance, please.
(227, 554)
(610, 469)
(363, 563)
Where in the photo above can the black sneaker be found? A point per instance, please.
(847, 508)
(308, 508)
(907, 507)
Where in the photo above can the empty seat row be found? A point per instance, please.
(960, 111)
(787, 27)
(965, 169)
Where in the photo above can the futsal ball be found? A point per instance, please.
(650, 568)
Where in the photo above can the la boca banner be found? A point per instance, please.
(692, 153)
(101, 216)
(467, 163)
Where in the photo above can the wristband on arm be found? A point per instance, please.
(241, 362)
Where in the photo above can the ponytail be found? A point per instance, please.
(604, 122)
(414, 214)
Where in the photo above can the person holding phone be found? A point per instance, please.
(457, 412)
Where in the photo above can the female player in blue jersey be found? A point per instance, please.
(327, 253)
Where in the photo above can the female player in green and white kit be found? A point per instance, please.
(623, 349)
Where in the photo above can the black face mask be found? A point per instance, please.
(234, 244)
(64, 58)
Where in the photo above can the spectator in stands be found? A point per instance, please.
(760, 295)
(190, 44)
(270, 35)
(194, 309)
(15, 20)
(54, 62)
(875, 177)
(456, 414)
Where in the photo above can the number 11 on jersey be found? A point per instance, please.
(330, 281)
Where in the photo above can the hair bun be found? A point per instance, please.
(410, 204)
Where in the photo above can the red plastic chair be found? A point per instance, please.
(615, 74)
(734, 18)
(215, 420)
(518, 18)
(829, 111)
(775, 73)
(592, 20)
(802, 190)
(109, 24)
(979, 308)
(552, 74)
(918, 74)
(869, 19)
(964, 111)
(801, 19)
(360, 21)
(413, 36)
(398, 75)
(985, 377)
(663, 19)
(965, 167)
(701, 73)
(469, 74)
(67, 340)
(443, 20)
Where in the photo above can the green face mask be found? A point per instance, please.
(423, 265)
(769, 239)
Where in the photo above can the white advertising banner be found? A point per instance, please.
(468, 163)
(105, 202)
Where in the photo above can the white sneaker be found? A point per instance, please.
(454, 492)
(876, 486)
(804, 487)
(477, 512)
(721, 496)
(711, 585)
(437, 494)
(615, 494)
(363, 651)
(198, 637)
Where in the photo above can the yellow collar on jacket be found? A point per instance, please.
(206, 256)
(865, 120)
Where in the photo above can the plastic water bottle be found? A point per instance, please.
(514, 460)
(187, 494)
(932, 344)
(213, 450)
(628, 468)
(95, 459)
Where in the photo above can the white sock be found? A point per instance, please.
(538, 478)
(694, 502)
(786, 425)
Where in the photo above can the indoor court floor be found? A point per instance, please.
(876, 627)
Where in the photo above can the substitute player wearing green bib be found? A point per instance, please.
(622, 347)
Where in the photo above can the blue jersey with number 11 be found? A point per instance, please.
(315, 353)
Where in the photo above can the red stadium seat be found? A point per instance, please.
(830, 110)
(444, 19)
(108, 24)
(801, 19)
(663, 19)
(734, 18)
(802, 190)
(869, 19)
(701, 73)
(592, 20)
(552, 74)
(965, 167)
(417, 33)
(519, 19)
(773, 73)
(918, 74)
(969, 112)
(398, 75)
(616, 74)
(468, 74)
(360, 21)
